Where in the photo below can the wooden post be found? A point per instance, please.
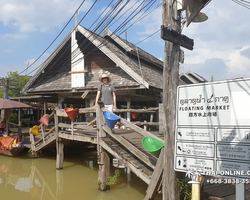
(171, 19)
(44, 107)
(42, 128)
(72, 127)
(104, 169)
(59, 146)
(128, 171)
(145, 126)
(100, 120)
(59, 154)
(100, 132)
(128, 100)
(151, 119)
(32, 144)
(102, 156)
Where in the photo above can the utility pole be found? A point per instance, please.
(6, 88)
(172, 20)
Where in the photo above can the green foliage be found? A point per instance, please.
(17, 81)
(14, 118)
(112, 180)
(185, 189)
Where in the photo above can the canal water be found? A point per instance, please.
(26, 178)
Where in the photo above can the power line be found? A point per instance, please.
(245, 4)
(63, 29)
(54, 39)
(99, 25)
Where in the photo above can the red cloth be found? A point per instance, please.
(2, 125)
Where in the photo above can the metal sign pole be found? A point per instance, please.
(240, 191)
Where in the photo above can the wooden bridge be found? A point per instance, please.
(125, 145)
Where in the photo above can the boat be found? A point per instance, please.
(10, 146)
(15, 151)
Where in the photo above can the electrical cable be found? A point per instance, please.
(54, 39)
(60, 33)
(123, 22)
(244, 4)
(143, 39)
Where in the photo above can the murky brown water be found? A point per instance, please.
(24, 178)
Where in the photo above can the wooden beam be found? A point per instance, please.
(155, 178)
(82, 127)
(138, 129)
(66, 136)
(135, 170)
(149, 110)
(92, 122)
(45, 135)
(146, 123)
(143, 157)
(76, 72)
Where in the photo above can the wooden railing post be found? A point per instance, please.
(59, 146)
(42, 128)
(102, 156)
(100, 120)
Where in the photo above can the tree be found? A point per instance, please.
(15, 82)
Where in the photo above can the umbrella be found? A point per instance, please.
(5, 104)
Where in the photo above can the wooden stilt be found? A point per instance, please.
(128, 174)
(104, 169)
(59, 154)
(59, 146)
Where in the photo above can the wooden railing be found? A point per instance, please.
(72, 126)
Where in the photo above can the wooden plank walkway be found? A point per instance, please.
(121, 152)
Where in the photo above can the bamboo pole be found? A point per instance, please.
(196, 188)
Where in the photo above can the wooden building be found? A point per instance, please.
(71, 73)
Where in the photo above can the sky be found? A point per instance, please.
(221, 44)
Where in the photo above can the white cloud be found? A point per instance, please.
(225, 37)
(39, 15)
(238, 64)
(7, 51)
(13, 36)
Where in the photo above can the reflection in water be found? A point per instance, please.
(37, 179)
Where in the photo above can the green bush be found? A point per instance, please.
(14, 118)
(185, 189)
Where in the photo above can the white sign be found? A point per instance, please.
(195, 134)
(213, 127)
(236, 169)
(195, 149)
(224, 103)
(233, 135)
(193, 164)
(235, 152)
